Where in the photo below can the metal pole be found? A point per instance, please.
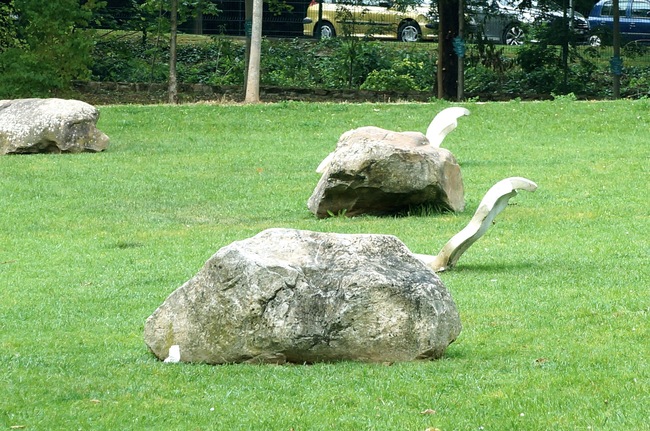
(461, 28)
(320, 17)
(441, 40)
(616, 62)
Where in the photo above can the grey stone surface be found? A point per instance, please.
(377, 171)
(302, 296)
(49, 126)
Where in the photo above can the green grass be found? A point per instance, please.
(554, 299)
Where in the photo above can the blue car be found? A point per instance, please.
(634, 21)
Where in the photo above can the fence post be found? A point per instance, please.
(460, 51)
(616, 63)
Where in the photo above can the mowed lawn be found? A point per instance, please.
(554, 300)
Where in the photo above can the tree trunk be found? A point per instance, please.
(248, 29)
(173, 88)
(253, 78)
(447, 60)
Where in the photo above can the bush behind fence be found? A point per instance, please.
(491, 71)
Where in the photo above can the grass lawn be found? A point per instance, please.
(554, 300)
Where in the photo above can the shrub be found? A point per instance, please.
(8, 29)
(482, 79)
(532, 70)
(287, 63)
(636, 82)
(57, 49)
(386, 79)
(25, 74)
(350, 62)
(128, 60)
(419, 65)
(220, 62)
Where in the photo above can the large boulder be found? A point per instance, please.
(303, 297)
(49, 126)
(377, 171)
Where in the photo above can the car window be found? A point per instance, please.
(641, 9)
(608, 9)
(623, 6)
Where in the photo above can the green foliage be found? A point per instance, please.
(531, 70)
(352, 61)
(8, 28)
(570, 97)
(635, 49)
(25, 74)
(419, 65)
(151, 16)
(480, 79)
(487, 54)
(553, 299)
(186, 9)
(220, 62)
(126, 15)
(129, 60)
(541, 66)
(532, 57)
(637, 82)
(388, 79)
(288, 63)
(57, 49)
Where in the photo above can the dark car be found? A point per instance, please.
(634, 21)
(508, 21)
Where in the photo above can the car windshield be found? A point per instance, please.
(530, 4)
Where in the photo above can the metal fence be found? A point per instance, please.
(288, 24)
(232, 21)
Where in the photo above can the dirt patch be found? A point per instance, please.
(116, 93)
(112, 93)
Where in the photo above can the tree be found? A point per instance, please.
(173, 88)
(254, 58)
(55, 46)
(179, 12)
(8, 31)
(253, 12)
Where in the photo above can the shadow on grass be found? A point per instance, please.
(492, 267)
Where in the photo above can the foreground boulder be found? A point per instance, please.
(377, 171)
(49, 126)
(303, 297)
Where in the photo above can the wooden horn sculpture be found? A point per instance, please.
(494, 201)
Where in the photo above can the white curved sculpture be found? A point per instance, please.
(174, 354)
(443, 123)
(494, 201)
(323, 165)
